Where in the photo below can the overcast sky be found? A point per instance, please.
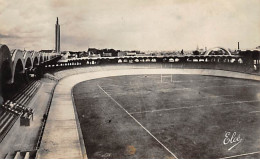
(130, 24)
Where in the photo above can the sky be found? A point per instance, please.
(130, 24)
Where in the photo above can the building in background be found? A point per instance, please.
(57, 36)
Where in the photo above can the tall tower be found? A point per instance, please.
(57, 36)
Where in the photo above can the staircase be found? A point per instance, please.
(12, 110)
(21, 155)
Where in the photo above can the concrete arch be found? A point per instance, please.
(212, 49)
(45, 57)
(40, 58)
(35, 62)
(17, 55)
(5, 70)
(28, 63)
(5, 55)
(12, 52)
(28, 60)
(35, 58)
(18, 72)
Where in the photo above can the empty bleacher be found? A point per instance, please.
(17, 107)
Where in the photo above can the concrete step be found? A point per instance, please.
(24, 99)
(21, 155)
(28, 95)
(3, 115)
(5, 119)
(19, 100)
(34, 87)
(27, 155)
(18, 155)
(6, 124)
(23, 91)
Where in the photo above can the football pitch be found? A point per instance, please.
(169, 116)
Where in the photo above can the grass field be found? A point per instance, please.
(169, 116)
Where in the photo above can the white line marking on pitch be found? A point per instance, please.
(189, 107)
(254, 112)
(213, 96)
(251, 153)
(235, 85)
(137, 121)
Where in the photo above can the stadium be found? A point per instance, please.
(129, 104)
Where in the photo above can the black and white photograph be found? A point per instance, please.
(129, 79)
